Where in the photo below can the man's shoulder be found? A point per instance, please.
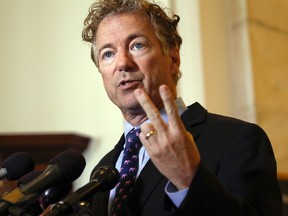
(201, 115)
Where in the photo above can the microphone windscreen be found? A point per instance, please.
(18, 165)
(71, 163)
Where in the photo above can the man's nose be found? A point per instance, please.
(125, 62)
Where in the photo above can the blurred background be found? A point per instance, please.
(234, 62)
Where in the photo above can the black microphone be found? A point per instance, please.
(103, 179)
(17, 165)
(54, 194)
(24, 180)
(50, 196)
(65, 167)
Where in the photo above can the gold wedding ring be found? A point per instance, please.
(152, 132)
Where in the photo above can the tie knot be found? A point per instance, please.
(132, 140)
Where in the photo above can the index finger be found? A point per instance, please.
(150, 109)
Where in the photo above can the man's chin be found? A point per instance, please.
(131, 106)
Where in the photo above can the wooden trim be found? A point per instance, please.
(43, 147)
(282, 176)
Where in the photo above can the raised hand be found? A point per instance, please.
(171, 148)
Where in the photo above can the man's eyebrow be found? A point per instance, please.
(133, 36)
(108, 45)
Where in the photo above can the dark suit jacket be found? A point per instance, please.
(237, 174)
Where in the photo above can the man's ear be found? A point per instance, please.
(175, 59)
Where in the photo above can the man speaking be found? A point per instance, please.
(173, 159)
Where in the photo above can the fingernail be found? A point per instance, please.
(163, 89)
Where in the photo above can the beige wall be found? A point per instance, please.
(268, 33)
(226, 59)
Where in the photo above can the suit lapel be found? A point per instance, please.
(144, 186)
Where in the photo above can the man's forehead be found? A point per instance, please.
(124, 27)
(126, 20)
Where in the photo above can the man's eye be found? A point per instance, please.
(138, 46)
(107, 54)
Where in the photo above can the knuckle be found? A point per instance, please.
(171, 111)
(154, 115)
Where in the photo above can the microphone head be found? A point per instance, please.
(71, 164)
(18, 165)
(107, 175)
(55, 193)
(65, 167)
(50, 196)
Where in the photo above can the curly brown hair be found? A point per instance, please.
(164, 26)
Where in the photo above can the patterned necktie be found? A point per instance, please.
(128, 171)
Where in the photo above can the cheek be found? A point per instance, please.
(106, 73)
(108, 86)
(159, 71)
(153, 66)
(106, 80)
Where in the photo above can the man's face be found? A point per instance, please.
(130, 56)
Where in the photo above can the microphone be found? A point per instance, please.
(24, 180)
(54, 194)
(103, 179)
(50, 196)
(17, 165)
(65, 167)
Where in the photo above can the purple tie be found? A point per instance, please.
(128, 171)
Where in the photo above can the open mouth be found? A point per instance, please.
(126, 84)
(123, 83)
